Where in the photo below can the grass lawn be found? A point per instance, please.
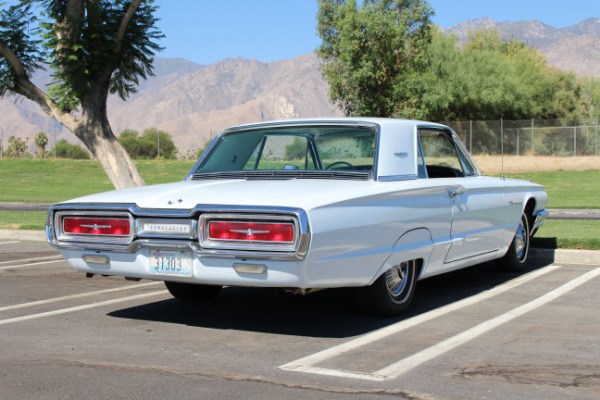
(50, 181)
(34, 220)
(568, 234)
(567, 189)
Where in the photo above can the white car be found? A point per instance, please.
(375, 204)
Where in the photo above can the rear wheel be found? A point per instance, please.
(515, 258)
(192, 292)
(392, 292)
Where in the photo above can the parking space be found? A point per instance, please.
(475, 333)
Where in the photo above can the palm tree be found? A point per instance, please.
(41, 140)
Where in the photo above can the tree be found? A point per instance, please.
(41, 140)
(160, 142)
(16, 147)
(151, 144)
(489, 78)
(201, 150)
(94, 48)
(374, 55)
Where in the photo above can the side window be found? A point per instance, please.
(439, 153)
(464, 160)
(421, 164)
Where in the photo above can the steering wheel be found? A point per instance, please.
(340, 163)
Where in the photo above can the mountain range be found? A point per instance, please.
(193, 102)
(575, 48)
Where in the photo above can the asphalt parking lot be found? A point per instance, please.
(473, 334)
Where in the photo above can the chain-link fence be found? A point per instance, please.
(528, 137)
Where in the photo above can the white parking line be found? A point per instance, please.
(432, 352)
(83, 307)
(30, 264)
(56, 256)
(77, 296)
(307, 364)
(13, 242)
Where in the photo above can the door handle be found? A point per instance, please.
(456, 191)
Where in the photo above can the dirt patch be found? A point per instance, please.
(492, 165)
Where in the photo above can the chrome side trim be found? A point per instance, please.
(391, 178)
(284, 175)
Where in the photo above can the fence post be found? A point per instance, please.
(532, 149)
(471, 135)
(575, 139)
(518, 132)
(502, 145)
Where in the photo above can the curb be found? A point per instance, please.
(566, 256)
(559, 256)
(16, 234)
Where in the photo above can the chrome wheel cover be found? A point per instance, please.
(522, 240)
(396, 279)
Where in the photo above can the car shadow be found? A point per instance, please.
(329, 313)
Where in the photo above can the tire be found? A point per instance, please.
(392, 293)
(192, 292)
(515, 258)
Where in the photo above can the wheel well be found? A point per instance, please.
(529, 207)
(419, 267)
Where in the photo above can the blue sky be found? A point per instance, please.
(208, 31)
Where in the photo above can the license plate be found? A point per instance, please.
(171, 263)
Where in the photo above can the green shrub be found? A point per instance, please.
(72, 151)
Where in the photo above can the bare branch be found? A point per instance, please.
(25, 87)
(13, 60)
(123, 27)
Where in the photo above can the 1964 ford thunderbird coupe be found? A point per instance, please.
(375, 204)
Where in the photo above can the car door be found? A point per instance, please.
(477, 202)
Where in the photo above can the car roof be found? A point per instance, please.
(402, 123)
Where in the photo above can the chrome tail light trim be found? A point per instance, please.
(139, 237)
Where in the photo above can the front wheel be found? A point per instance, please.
(515, 258)
(392, 293)
(192, 292)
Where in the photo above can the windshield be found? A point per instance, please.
(346, 148)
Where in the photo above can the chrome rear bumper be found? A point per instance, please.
(540, 215)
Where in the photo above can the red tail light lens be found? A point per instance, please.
(251, 231)
(96, 226)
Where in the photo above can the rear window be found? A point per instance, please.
(348, 148)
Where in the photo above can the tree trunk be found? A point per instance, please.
(113, 158)
(95, 132)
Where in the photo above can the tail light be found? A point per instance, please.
(249, 232)
(94, 227)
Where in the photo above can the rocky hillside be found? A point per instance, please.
(234, 91)
(194, 102)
